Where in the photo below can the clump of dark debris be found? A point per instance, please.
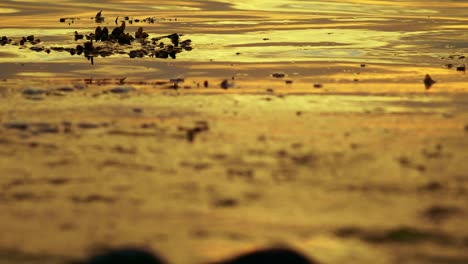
(104, 42)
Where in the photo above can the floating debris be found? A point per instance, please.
(428, 82)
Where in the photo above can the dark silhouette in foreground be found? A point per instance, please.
(269, 256)
(140, 256)
(124, 256)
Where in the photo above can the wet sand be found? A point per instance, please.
(347, 158)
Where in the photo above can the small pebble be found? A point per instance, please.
(120, 90)
(16, 125)
(33, 91)
(278, 75)
(461, 68)
(225, 84)
(86, 125)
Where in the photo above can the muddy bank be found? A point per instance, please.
(216, 175)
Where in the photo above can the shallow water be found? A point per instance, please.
(270, 35)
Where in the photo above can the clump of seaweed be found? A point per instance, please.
(103, 42)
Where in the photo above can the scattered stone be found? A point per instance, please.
(449, 66)
(37, 49)
(363, 65)
(318, 85)
(140, 34)
(121, 90)
(177, 80)
(16, 125)
(226, 84)
(205, 84)
(226, 202)
(33, 91)
(45, 128)
(137, 53)
(4, 40)
(278, 75)
(65, 19)
(432, 186)
(461, 68)
(86, 125)
(288, 81)
(428, 82)
(174, 39)
(65, 89)
(438, 213)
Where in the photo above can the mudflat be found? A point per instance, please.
(309, 125)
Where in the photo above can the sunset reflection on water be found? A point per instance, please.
(247, 32)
